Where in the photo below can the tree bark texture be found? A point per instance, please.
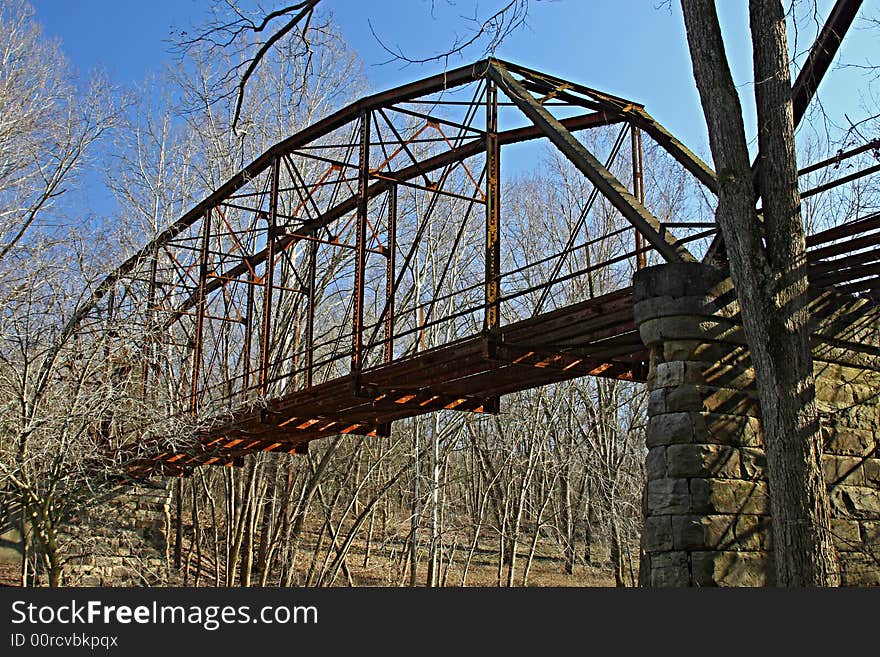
(768, 267)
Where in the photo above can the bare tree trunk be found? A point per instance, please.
(643, 553)
(212, 503)
(569, 546)
(539, 522)
(524, 485)
(267, 535)
(25, 552)
(285, 535)
(616, 562)
(771, 282)
(478, 528)
(253, 510)
(178, 525)
(433, 547)
(244, 543)
(803, 544)
(414, 530)
(452, 551)
(52, 557)
(229, 487)
(513, 545)
(314, 562)
(310, 485)
(341, 552)
(334, 539)
(502, 540)
(369, 540)
(197, 533)
(588, 528)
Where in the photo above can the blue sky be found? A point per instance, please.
(632, 48)
(624, 47)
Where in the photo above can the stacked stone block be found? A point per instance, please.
(707, 510)
(848, 398)
(707, 515)
(121, 542)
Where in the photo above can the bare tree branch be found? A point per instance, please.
(493, 30)
(220, 36)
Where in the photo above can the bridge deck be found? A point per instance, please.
(595, 337)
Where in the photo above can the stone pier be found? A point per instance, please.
(707, 516)
(122, 541)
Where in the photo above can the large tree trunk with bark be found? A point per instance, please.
(768, 267)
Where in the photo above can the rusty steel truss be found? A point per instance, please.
(367, 269)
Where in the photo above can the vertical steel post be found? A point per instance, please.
(638, 189)
(266, 336)
(357, 342)
(390, 265)
(310, 317)
(493, 231)
(248, 336)
(150, 343)
(200, 313)
(294, 368)
(384, 429)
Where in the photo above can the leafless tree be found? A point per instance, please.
(64, 395)
(73, 417)
(47, 127)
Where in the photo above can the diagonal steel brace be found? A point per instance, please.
(636, 213)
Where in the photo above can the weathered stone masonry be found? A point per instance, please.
(707, 507)
(121, 542)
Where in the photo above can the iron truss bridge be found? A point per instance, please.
(374, 266)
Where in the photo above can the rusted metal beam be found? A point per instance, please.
(612, 101)
(426, 86)
(248, 339)
(476, 392)
(874, 145)
(268, 280)
(470, 149)
(586, 163)
(858, 227)
(200, 315)
(390, 271)
(597, 337)
(638, 188)
(840, 181)
(492, 280)
(357, 345)
(310, 316)
(474, 147)
(566, 362)
(682, 154)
